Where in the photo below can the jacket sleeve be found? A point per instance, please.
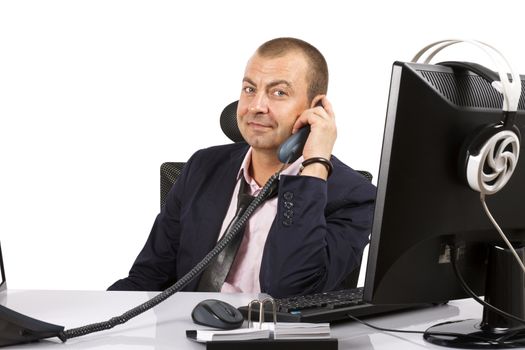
(319, 233)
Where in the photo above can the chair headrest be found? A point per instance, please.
(229, 122)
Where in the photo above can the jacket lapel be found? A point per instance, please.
(217, 200)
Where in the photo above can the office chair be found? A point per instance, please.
(170, 171)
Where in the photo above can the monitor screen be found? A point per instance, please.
(424, 206)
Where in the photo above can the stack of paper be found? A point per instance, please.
(235, 334)
(296, 330)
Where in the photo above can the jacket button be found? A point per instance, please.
(288, 214)
(288, 205)
(288, 196)
(287, 222)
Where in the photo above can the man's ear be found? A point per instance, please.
(317, 101)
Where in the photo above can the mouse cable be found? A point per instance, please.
(183, 281)
(449, 334)
(470, 292)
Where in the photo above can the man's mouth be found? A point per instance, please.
(259, 126)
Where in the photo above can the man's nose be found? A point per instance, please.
(259, 104)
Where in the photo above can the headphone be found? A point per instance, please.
(489, 156)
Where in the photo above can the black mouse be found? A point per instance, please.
(217, 314)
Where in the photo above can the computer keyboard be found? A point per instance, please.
(323, 307)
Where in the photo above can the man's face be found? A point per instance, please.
(273, 96)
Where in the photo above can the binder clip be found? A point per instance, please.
(261, 311)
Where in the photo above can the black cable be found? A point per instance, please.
(447, 334)
(470, 292)
(381, 328)
(182, 282)
(510, 334)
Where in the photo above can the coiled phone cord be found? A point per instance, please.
(182, 282)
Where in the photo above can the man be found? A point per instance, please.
(306, 239)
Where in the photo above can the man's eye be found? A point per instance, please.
(248, 89)
(279, 93)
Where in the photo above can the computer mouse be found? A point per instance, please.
(217, 314)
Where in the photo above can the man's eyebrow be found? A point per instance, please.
(271, 84)
(280, 82)
(248, 80)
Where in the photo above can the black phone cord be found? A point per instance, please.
(182, 282)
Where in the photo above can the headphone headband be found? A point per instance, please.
(490, 156)
(511, 91)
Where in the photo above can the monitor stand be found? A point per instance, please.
(504, 289)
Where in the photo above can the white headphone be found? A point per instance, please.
(491, 154)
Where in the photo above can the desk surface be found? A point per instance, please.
(164, 326)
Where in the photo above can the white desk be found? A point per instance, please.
(164, 326)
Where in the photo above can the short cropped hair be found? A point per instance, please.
(317, 75)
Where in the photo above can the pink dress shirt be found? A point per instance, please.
(244, 272)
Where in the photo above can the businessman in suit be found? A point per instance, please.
(308, 237)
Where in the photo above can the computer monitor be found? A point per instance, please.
(424, 207)
(3, 283)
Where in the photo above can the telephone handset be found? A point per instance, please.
(292, 148)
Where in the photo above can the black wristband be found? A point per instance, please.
(328, 164)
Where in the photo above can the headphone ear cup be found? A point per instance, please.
(490, 157)
(468, 148)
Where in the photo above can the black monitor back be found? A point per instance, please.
(423, 205)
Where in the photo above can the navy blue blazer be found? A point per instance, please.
(315, 241)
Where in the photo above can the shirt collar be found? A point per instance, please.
(292, 169)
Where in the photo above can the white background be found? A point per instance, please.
(95, 95)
